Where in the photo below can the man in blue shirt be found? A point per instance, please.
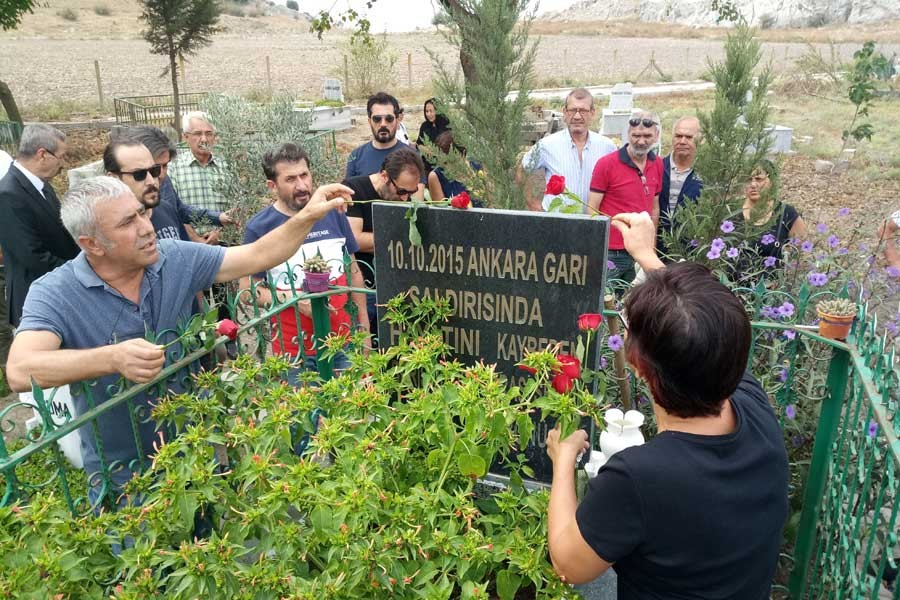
(87, 320)
(384, 112)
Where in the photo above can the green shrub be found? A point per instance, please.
(67, 14)
(102, 10)
(292, 4)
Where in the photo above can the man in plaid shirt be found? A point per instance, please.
(194, 174)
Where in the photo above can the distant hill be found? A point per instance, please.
(762, 13)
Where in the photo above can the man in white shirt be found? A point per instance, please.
(572, 153)
(5, 162)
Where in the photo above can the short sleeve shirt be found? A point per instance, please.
(625, 187)
(367, 159)
(329, 238)
(85, 312)
(363, 190)
(694, 516)
(198, 184)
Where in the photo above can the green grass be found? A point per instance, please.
(4, 387)
(60, 109)
(102, 10)
(67, 14)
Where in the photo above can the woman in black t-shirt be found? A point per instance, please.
(762, 207)
(433, 126)
(697, 511)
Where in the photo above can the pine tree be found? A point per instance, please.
(178, 28)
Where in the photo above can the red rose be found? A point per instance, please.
(228, 328)
(461, 200)
(569, 366)
(562, 383)
(527, 369)
(589, 321)
(555, 185)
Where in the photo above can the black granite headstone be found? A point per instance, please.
(517, 281)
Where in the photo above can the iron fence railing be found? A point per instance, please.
(157, 110)
(837, 403)
(10, 132)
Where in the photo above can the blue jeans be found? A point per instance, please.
(340, 362)
(602, 588)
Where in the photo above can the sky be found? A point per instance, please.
(399, 15)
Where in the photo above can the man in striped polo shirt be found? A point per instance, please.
(572, 152)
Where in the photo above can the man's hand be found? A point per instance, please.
(639, 235)
(326, 198)
(564, 452)
(138, 360)
(212, 238)
(226, 219)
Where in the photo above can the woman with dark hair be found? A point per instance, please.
(762, 207)
(441, 186)
(697, 511)
(433, 126)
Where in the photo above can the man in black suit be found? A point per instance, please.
(32, 235)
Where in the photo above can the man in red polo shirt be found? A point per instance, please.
(628, 181)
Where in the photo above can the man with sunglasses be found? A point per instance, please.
(384, 119)
(628, 181)
(572, 153)
(397, 179)
(32, 236)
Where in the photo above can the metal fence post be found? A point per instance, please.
(321, 329)
(829, 417)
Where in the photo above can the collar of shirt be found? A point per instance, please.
(88, 278)
(192, 160)
(626, 158)
(36, 181)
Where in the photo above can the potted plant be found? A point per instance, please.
(316, 274)
(836, 317)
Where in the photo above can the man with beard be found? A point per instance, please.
(396, 179)
(88, 319)
(679, 182)
(289, 179)
(32, 236)
(628, 181)
(384, 119)
(571, 152)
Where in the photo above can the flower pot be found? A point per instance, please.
(316, 282)
(623, 430)
(835, 327)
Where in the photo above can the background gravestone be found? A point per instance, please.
(517, 281)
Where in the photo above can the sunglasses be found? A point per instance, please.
(386, 118)
(645, 122)
(141, 174)
(400, 191)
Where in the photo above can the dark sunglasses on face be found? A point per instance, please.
(400, 191)
(141, 174)
(644, 122)
(385, 118)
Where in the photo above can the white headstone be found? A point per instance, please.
(332, 89)
(94, 169)
(621, 98)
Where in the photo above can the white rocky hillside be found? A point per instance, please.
(762, 13)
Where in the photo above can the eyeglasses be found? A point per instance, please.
(579, 111)
(386, 118)
(51, 154)
(200, 134)
(645, 122)
(400, 191)
(141, 174)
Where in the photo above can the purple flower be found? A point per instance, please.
(767, 239)
(603, 362)
(717, 244)
(782, 375)
(789, 334)
(843, 212)
(614, 342)
(768, 312)
(821, 227)
(893, 271)
(817, 279)
(797, 441)
(733, 252)
(892, 327)
(790, 411)
(713, 254)
(770, 261)
(806, 246)
(727, 227)
(642, 400)
(786, 310)
(843, 251)
(610, 265)
(693, 244)
(833, 241)
(863, 247)
(872, 430)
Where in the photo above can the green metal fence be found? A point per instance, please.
(10, 132)
(837, 403)
(155, 110)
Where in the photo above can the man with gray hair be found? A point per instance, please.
(196, 174)
(32, 236)
(628, 181)
(88, 319)
(571, 153)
